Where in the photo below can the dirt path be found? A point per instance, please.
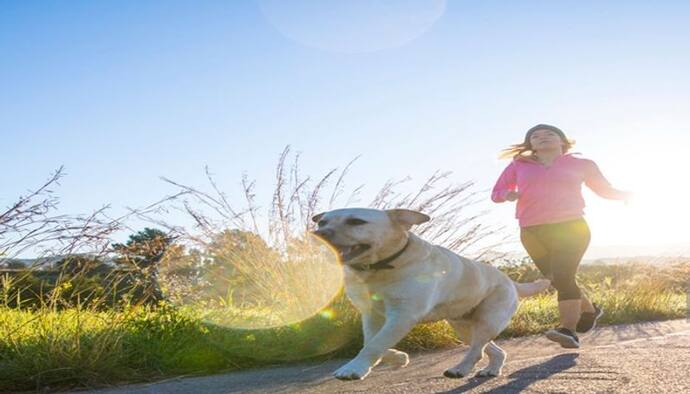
(637, 358)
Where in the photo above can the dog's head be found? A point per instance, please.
(363, 235)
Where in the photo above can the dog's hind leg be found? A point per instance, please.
(468, 333)
(371, 324)
(496, 355)
(496, 312)
(497, 358)
(487, 321)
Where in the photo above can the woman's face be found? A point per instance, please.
(544, 139)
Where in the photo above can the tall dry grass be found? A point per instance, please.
(243, 265)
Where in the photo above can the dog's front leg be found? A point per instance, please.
(398, 324)
(371, 324)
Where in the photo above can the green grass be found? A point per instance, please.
(51, 349)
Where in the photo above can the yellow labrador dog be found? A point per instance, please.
(397, 280)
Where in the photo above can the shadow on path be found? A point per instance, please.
(521, 379)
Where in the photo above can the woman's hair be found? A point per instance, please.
(524, 149)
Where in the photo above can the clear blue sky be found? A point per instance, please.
(124, 92)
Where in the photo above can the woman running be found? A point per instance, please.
(546, 180)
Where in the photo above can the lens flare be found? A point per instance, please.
(238, 281)
(354, 26)
(327, 313)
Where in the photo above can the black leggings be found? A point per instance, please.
(556, 249)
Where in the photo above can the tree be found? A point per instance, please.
(141, 255)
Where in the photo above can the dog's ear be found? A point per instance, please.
(406, 217)
(317, 217)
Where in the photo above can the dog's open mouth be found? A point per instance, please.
(349, 252)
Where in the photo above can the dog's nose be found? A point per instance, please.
(325, 233)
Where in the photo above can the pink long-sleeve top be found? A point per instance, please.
(552, 194)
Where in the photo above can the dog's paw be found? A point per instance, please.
(456, 373)
(396, 358)
(488, 371)
(352, 371)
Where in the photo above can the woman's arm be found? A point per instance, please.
(506, 184)
(596, 181)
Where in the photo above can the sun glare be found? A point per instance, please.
(655, 218)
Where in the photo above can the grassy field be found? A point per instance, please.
(49, 348)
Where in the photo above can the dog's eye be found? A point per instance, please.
(355, 222)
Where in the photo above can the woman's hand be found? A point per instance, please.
(512, 195)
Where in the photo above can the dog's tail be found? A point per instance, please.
(532, 288)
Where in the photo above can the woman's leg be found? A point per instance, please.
(533, 242)
(570, 313)
(569, 243)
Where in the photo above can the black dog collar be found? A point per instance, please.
(382, 264)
